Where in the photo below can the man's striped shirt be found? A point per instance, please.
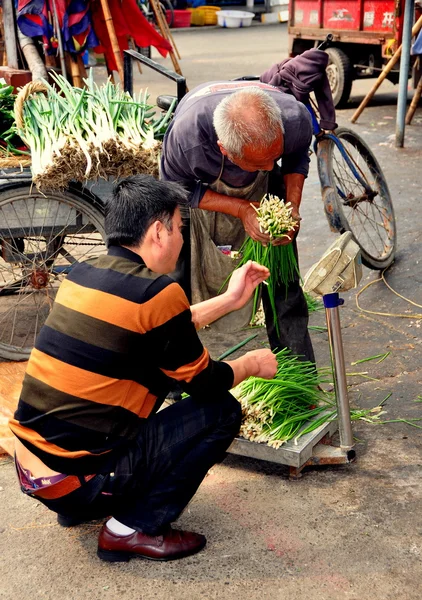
(115, 339)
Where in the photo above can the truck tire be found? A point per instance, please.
(340, 75)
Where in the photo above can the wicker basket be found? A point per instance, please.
(14, 162)
(30, 88)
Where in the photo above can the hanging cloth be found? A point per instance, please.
(128, 23)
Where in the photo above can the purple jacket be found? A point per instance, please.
(302, 75)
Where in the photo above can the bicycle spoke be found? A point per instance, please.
(41, 237)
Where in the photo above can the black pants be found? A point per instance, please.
(159, 474)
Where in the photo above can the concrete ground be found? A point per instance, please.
(345, 532)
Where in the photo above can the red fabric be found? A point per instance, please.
(130, 23)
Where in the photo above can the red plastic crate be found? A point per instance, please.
(182, 18)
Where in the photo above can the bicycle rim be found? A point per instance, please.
(370, 219)
(42, 238)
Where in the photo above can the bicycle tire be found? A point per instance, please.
(42, 236)
(340, 76)
(166, 5)
(371, 221)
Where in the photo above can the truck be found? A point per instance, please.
(366, 35)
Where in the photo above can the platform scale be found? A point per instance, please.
(339, 270)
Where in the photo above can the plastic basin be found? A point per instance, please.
(234, 18)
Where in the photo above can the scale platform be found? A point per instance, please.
(311, 449)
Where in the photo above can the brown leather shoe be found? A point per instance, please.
(169, 546)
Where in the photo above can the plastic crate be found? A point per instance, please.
(204, 15)
(182, 18)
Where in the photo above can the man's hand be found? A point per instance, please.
(249, 219)
(257, 363)
(265, 363)
(292, 233)
(243, 283)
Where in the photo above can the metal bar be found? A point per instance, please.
(350, 162)
(59, 38)
(127, 73)
(409, 11)
(179, 79)
(339, 372)
(10, 40)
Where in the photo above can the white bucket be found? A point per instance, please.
(234, 18)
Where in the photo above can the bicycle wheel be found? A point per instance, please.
(168, 11)
(369, 217)
(41, 238)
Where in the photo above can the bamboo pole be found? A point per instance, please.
(75, 71)
(10, 40)
(388, 67)
(162, 27)
(414, 104)
(113, 38)
(167, 30)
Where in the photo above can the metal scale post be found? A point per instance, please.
(339, 269)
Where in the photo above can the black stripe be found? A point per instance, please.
(135, 366)
(126, 286)
(87, 465)
(176, 342)
(86, 329)
(216, 377)
(73, 436)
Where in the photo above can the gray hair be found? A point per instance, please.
(248, 116)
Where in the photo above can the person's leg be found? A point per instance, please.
(171, 457)
(292, 317)
(291, 306)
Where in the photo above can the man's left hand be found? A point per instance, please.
(243, 283)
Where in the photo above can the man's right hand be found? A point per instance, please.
(247, 214)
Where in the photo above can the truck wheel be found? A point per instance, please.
(340, 75)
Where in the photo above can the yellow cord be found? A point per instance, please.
(373, 312)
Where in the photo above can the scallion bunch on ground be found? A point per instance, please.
(90, 133)
(275, 410)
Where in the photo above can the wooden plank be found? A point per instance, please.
(11, 377)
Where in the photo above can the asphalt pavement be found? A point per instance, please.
(340, 532)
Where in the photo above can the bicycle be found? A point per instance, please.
(354, 190)
(43, 236)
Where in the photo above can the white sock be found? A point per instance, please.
(118, 528)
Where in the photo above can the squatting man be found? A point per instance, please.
(90, 442)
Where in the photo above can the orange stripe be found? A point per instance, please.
(188, 372)
(86, 385)
(124, 313)
(34, 438)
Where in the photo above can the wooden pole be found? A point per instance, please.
(162, 27)
(388, 67)
(167, 30)
(113, 38)
(75, 71)
(10, 40)
(414, 104)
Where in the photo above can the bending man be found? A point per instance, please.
(224, 144)
(90, 442)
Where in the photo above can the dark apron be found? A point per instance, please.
(209, 266)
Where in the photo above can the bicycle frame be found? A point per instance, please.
(319, 135)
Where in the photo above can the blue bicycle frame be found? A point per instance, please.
(317, 133)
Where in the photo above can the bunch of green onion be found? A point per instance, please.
(91, 132)
(287, 406)
(274, 218)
